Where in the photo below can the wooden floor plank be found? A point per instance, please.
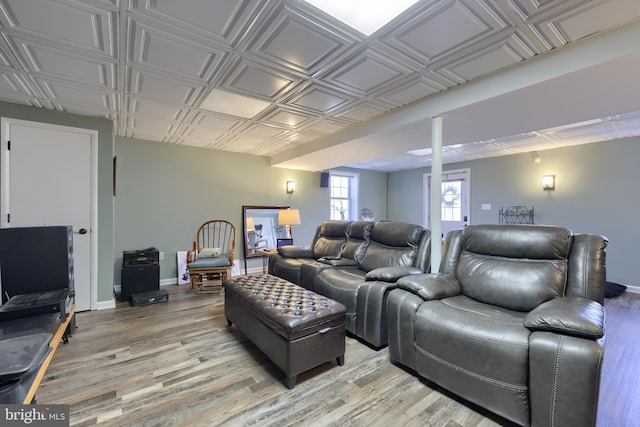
(178, 363)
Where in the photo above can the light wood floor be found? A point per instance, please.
(178, 363)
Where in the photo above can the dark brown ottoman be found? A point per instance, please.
(296, 328)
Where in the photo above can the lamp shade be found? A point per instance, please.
(288, 216)
(250, 224)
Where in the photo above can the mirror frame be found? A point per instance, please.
(272, 232)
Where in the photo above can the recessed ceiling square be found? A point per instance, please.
(235, 105)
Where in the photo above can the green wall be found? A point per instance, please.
(596, 192)
(165, 191)
(105, 162)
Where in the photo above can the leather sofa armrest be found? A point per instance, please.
(431, 286)
(391, 274)
(295, 252)
(338, 262)
(573, 316)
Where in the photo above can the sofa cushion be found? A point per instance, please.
(341, 284)
(518, 241)
(513, 283)
(475, 350)
(393, 244)
(289, 268)
(378, 255)
(328, 247)
(359, 236)
(330, 240)
(397, 234)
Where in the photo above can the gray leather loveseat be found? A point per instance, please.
(357, 264)
(514, 322)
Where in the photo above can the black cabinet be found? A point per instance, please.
(138, 279)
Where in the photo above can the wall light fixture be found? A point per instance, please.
(549, 182)
(291, 186)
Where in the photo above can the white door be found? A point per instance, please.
(48, 180)
(454, 200)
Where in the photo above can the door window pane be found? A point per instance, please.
(452, 201)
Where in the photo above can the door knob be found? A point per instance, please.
(82, 231)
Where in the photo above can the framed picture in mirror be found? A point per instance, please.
(260, 228)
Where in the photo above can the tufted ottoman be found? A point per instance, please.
(296, 328)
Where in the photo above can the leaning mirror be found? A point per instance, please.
(260, 228)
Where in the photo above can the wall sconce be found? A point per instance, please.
(291, 186)
(549, 182)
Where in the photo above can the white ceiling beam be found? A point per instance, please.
(348, 146)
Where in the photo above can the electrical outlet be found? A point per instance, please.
(486, 206)
(161, 256)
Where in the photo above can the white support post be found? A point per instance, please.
(436, 193)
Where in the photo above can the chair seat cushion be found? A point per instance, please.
(476, 350)
(211, 262)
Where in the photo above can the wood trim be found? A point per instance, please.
(55, 341)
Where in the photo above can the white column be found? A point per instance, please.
(436, 193)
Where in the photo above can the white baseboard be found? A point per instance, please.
(633, 289)
(105, 305)
(170, 281)
(255, 270)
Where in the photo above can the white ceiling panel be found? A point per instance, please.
(292, 119)
(163, 88)
(416, 88)
(295, 40)
(223, 21)
(441, 28)
(92, 27)
(260, 81)
(208, 120)
(329, 126)
(12, 84)
(362, 111)
(56, 62)
(367, 72)
(159, 110)
(149, 128)
(74, 98)
(320, 100)
(164, 53)
(593, 17)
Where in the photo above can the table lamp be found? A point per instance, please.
(288, 217)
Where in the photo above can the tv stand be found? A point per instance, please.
(62, 334)
(60, 329)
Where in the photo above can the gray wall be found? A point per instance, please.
(105, 162)
(165, 191)
(596, 192)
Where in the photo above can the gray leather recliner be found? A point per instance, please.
(514, 322)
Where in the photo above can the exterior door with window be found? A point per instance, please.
(454, 200)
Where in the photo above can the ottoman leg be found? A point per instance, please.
(291, 382)
(340, 360)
